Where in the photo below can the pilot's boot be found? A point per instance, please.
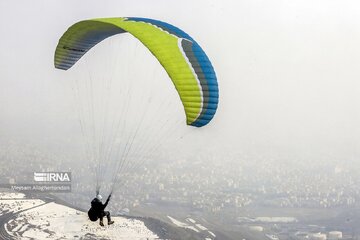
(101, 223)
(109, 219)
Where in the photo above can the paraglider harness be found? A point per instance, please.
(97, 209)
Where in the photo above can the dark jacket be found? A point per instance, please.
(97, 206)
(97, 209)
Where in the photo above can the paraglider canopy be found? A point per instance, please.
(121, 129)
(184, 60)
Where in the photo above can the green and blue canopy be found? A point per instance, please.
(184, 60)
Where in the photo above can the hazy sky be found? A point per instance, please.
(288, 70)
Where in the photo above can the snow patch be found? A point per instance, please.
(212, 234)
(201, 227)
(11, 195)
(181, 224)
(54, 221)
(18, 205)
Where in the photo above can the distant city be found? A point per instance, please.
(249, 193)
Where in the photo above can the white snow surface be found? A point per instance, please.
(276, 219)
(193, 225)
(54, 221)
(17, 205)
(11, 195)
(191, 220)
(181, 224)
(201, 227)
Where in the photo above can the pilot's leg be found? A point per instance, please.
(107, 214)
(101, 219)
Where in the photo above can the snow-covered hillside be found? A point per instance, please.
(35, 219)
